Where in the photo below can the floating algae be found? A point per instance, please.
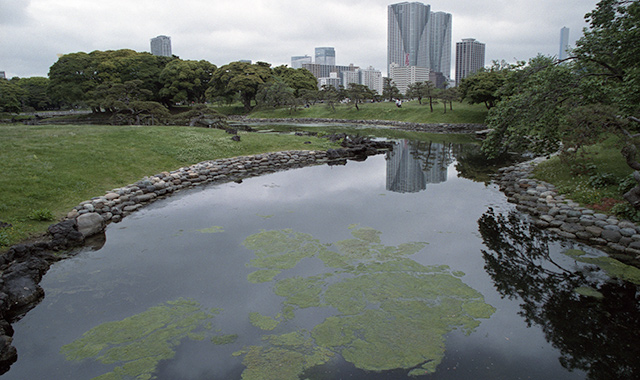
(263, 322)
(390, 311)
(138, 343)
(612, 267)
(283, 357)
(212, 230)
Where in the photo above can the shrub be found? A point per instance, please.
(626, 211)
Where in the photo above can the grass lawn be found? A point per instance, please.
(410, 111)
(47, 170)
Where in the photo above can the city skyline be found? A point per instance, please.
(34, 33)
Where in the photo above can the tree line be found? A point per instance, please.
(545, 105)
(109, 81)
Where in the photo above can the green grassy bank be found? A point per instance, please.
(47, 170)
(410, 111)
(596, 180)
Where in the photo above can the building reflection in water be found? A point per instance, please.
(413, 164)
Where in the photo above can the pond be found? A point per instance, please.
(389, 268)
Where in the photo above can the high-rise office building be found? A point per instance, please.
(408, 35)
(3, 75)
(469, 58)
(161, 45)
(564, 43)
(440, 43)
(297, 61)
(325, 56)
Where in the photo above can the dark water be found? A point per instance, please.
(194, 246)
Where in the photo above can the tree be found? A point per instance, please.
(548, 104)
(389, 90)
(331, 95)
(416, 91)
(35, 93)
(484, 85)
(297, 79)
(358, 93)
(10, 95)
(275, 94)
(240, 78)
(186, 81)
(448, 95)
(74, 75)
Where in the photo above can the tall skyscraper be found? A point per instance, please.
(161, 45)
(325, 56)
(564, 43)
(469, 58)
(408, 35)
(440, 43)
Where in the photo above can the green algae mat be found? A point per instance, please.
(385, 312)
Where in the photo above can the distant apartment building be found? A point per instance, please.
(298, 60)
(403, 76)
(469, 58)
(418, 37)
(3, 75)
(331, 80)
(161, 46)
(325, 56)
(324, 71)
(371, 78)
(350, 77)
(564, 44)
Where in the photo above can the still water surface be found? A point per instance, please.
(333, 303)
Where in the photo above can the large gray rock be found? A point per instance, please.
(90, 224)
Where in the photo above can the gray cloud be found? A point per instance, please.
(34, 31)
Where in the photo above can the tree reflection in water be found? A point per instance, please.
(596, 334)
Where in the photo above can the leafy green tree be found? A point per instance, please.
(389, 90)
(240, 78)
(35, 96)
(309, 96)
(75, 75)
(186, 81)
(275, 94)
(297, 79)
(331, 95)
(448, 96)
(548, 105)
(358, 93)
(416, 91)
(71, 77)
(10, 95)
(484, 85)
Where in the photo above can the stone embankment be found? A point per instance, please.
(23, 265)
(564, 217)
(420, 127)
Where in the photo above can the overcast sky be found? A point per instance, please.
(34, 32)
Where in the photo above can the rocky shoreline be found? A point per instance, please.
(23, 266)
(564, 217)
(419, 127)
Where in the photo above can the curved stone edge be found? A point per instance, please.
(564, 217)
(466, 128)
(23, 265)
